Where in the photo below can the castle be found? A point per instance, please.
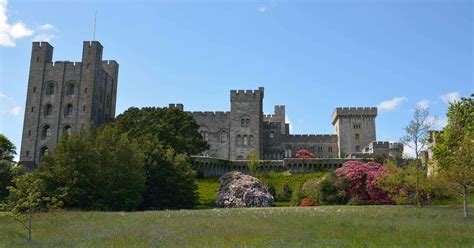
(64, 96)
(245, 129)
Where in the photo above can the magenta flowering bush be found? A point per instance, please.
(364, 179)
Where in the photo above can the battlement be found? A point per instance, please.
(92, 43)
(272, 125)
(179, 106)
(59, 65)
(395, 145)
(209, 113)
(111, 63)
(41, 44)
(379, 144)
(353, 111)
(316, 138)
(247, 95)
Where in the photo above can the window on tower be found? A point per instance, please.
(68, 110)
(50, 89)
(48, 110)
(46, 132)
(70, 89)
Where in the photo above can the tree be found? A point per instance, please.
(7, 153)
(170, 181)
(166, 127)
(27, 197)
(415, 138)
(95, 170)
(253, 163)
(332, 190)
(454, 152)
(166, 136)
(303, 153)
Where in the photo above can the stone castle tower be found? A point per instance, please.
(64, 96)
(355, 128)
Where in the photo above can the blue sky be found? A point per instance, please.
(311, 56)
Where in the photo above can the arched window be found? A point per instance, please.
(242, 123)
(50, 89)
(68, 110)
(239, 140)
(70, 89)
(44, 151)
(247, 122)
(272, 134)
(67, 129)
(357, 148)
(206, 135)
(46, 132)
(48, 110)
(251, 140)
(223, 136)
(357, 136)
(245, 141)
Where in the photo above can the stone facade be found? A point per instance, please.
(64, 96)
(245, 129)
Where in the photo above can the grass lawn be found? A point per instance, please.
(330, 226)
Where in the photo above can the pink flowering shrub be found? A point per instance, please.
(364, 181)
(303, 153)
(307, 202)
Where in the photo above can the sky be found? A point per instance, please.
(311, 56)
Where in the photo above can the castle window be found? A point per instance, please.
(85, 90)
(50, 89)
(245, 141)
(239, 140)
(357, 136)
(288, 152)
(67, 129)
(27, 153)
(32, 109)
(46, 132)
(357, 148)
(251, 140)
(84, 108)
(330, 149)
(356, 126)
(68, 110)
(242, 123)
(247, 122)
(223, 136)
(29, 132)
(70, 89)
(44, 151)
(34, 89)
(272, 135)
(206, 135)
(48, 110)
(320, 149)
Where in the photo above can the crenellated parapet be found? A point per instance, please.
(310, 138)
(247, 95)
(349, 112)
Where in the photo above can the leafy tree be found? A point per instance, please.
(285, 193)
(453, 151)
(98, 169)
(27, 197)
(170, 181)
(303, 153)
(415, 138)
(164, 127)
(7, 153)
(253, 163)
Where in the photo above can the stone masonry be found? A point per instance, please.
(64, 96)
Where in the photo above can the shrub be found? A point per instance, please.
(307, 202)
(285, 193)
(270, 187)
(364, 181)
(303, 153)
(297, 196)
(332, 190)
(311, 188)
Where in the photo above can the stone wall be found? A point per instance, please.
(211, 167)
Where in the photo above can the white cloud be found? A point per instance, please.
(392, 103)
(268, 6)
(423, 104)
(8, 106)
(47, 27)
(10, 33)
(262, 8)
(450, 97)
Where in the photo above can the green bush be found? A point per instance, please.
(297, 196)
(331, 190)
(270, 187)
(311, 188)
(285, 193)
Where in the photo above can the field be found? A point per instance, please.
(324, 226)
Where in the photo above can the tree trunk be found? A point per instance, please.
(29, 226)
(464, 192)
(417, 184)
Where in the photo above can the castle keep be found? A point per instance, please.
(64, 96)
(245, 129)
